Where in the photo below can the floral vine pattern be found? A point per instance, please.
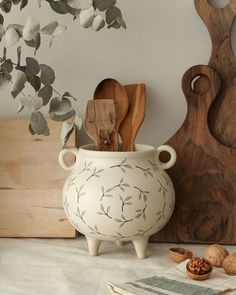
(125, 202)
(146, 171)
(86, 167)
(105, 210)
(123, 166)
(141, 212)
(79, 192)
(122, 220)
(80, 214)
(142, 194)
(96, 173)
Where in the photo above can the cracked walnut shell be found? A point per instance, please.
(216, 254)
(180, 254)
(199, 269)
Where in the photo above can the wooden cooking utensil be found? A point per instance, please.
(112, 89)
(100, 122)
(219, 21)
(132, 122)
(204, 174)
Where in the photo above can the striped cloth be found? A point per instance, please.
(176, 282)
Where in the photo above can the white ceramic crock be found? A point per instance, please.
(118, 196)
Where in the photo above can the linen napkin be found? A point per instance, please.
(176, 282)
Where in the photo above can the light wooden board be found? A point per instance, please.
(31, 182)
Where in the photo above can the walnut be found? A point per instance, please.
(229, 264)
(180, 254)
(199, 268)
(216, 254)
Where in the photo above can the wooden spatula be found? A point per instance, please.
(112, 89)
(132, 122)
(100, 122)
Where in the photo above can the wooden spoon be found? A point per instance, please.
(100, 122)
(137, 107)
(112, 89)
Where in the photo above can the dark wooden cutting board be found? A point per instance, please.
(219, 22)
(204, 175)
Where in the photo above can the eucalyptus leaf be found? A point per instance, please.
(68, 95)
(70, 10)
(38, 124)
(80, 4)
(35, 83)
(50, 28)
(66, 132)
(18, 55)
(1, 19)
(98, 23)
(37, 42)
(31, 29)
(30, 128)
(61, 110)
(32, 66)
(32, 103)
(18, 83)
(86, 17)
(5, 79)
(23, 4)
(46, 93)
(112, 13)
(7, 65)
(30, 43)
(58, 6)
(47, 74)
(18, 28)
(120, 21)
(6, 6)
(114, 25)
(60, 29)
(11, 36)
(104, 4)
(78, 121)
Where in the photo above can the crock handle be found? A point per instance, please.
(171, 151)
(63, 153)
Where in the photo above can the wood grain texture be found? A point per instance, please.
(31, 183)
(204, 174)
(100, 122)
(112, 89)
(136, 114)
(222, 119)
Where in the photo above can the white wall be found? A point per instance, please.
(163, 39)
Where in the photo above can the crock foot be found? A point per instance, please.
(93, 245)
(140, 246)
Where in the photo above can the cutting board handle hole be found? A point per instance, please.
(200, 84)
(219, 3)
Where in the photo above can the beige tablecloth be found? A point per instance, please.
(63, 266)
